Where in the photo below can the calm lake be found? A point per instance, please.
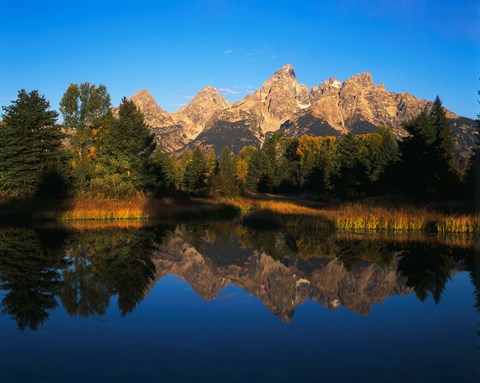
(220, 302)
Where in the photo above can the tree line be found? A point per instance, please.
(110, 152)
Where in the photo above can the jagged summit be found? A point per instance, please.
(142, 93)
(154, 115)
(286, 70)
(364, 78)
(356, 106)
(200, 110)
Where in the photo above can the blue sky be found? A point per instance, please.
(174, 48)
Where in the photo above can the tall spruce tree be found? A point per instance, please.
(195, 175)
(223, 182)
(427, 165)
(30, 144)
(351, 174)
(472, 176)
(126, 144)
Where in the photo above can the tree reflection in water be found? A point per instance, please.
(83, 269)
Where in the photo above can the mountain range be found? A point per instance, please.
(282, 104)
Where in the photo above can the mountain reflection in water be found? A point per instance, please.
(83, 269)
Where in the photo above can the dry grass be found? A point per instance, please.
(140, 208)
(358, 217)
(105, 209)
(294, 213)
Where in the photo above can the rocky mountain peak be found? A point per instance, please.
(362, 79)
(142, 94)
(154, 115)
(281, 95)
(284, 76)
(200, 110)
(331, 85)
(209, 95)
(286, 70)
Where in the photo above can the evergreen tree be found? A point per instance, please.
(165, 176)
(351, 175)
(382, 150)
(195, 175)
(30, 144)
(223, 182)
(472, 176)
(426, 167)
(122, 166)
(317, 162)
(447, 176)
(260, 172)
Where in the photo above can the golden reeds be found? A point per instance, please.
(357, 217)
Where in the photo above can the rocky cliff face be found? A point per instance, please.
(357, 105)
(168, 135)
(194, 117)
(154, 115)
(281, 286)
(247, 121)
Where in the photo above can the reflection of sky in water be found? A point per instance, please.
(175, 335)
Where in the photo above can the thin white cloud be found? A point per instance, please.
(228, 91)
(188, 97)
(243, 86)
(227, 51)
(181, 105)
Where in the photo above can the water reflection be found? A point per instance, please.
(83, 269)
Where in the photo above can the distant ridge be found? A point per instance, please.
(335, 108)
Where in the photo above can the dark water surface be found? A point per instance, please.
(225, 303)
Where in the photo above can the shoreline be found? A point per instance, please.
(301, 214)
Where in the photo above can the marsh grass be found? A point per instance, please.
(357, 217)
(143, 209)
(259, 213)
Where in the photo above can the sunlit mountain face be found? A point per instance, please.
(282, 104)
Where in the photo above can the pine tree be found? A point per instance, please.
(126, 145)
(416, 169)
(194, 178)
(227, 164)
(447, 178)
(427, 161)
(223, 182)
(165, 177)
(383, 155)
(30, 144)
(472, 176)
(260, 172)
(351, 175)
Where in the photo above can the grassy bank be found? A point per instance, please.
(106, 210)
(356, 217)
(262, 212)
